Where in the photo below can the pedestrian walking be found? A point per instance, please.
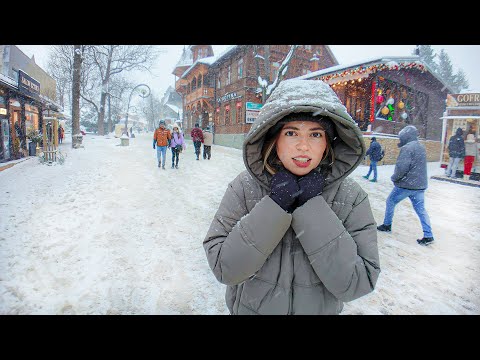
(294, 234)
(176, 145)
(375, 153)
(456, 152)
(410, 180)
(197, 138)
(61, 134)
(207, 143)
(161, 139)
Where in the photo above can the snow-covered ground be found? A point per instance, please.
(108, 232)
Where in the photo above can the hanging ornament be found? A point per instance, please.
(401, 105)
(392, 111)
(404, 116)
(390, 101)
(380, 99)
(404, 94)
(385, 110)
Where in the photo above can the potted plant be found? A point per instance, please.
(35, 138)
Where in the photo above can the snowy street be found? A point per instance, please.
(108, 232)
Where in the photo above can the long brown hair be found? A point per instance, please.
(272, 163)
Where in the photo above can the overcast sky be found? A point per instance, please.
(466, 57)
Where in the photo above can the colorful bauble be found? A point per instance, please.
(401, 105)
(385, 110)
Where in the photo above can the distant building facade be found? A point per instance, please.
(223, 92)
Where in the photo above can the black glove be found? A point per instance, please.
(284, 189)
(311, 185)
(154, 143)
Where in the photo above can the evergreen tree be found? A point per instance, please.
(427, 56)
(460, 81)
(445, 68)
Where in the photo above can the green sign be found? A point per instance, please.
(253, 106)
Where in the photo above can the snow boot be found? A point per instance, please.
(159, 163)
(365, 177)
(425, 241)
(386, 228)
(373, 180)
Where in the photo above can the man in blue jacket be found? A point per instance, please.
(375, 153)
(410, 180)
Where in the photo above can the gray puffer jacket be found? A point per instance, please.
(411, 166)
(314, 259)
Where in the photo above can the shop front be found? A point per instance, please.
(21, 108)
(462, 111)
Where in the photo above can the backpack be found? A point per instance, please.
(382, 154)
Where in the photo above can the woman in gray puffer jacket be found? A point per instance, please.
(293, 234)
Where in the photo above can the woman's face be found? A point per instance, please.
(300, 146)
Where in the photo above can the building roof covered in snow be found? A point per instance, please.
(335, 74)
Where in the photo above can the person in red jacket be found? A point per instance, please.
(197, 138)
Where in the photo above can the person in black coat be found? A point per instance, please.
(456, 152)
(375, 153)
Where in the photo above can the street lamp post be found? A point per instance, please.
(143, 94)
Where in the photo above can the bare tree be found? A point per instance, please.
(60, 67)
(77, 68)
(113, 59)
(265, 83)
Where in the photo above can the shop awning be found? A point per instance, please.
(461, 117)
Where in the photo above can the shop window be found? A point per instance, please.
(399, 103)
(275, 66)
(217, 116)
(239, 106)
(240, 68)
(227, 115)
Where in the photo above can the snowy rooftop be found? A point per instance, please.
(211, 59)
(368, 61)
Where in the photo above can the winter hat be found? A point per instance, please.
(470, 138)
(373, 138)
(325, 121)
(161, 122)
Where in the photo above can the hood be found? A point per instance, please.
(407, 134)
(459, 132)
(309, 96)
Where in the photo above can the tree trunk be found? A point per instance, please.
(109, 126)
(101, 113)
(77, 65)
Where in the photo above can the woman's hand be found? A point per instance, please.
(310, 185)
(284, 189)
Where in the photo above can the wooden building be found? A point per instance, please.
(218, 91)
(386, 94)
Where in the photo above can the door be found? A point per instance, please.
(5, 133)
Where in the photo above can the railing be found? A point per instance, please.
(202, 92)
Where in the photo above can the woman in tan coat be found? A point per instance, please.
(293, 234)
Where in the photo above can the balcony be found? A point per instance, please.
(203, 92)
